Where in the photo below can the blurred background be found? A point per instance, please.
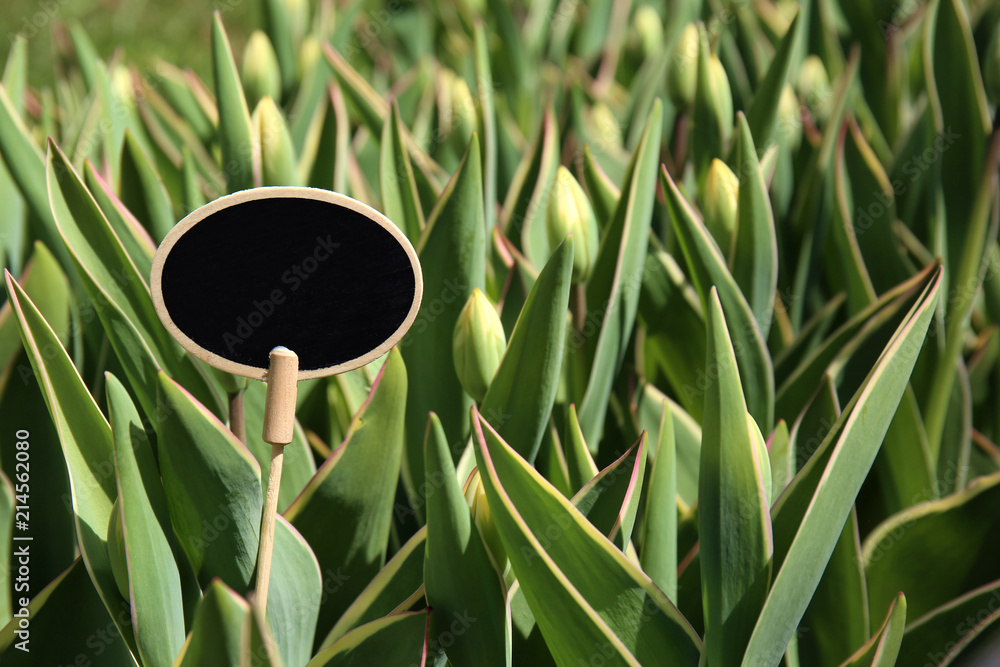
(175, 30)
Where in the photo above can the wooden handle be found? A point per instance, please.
(279, 425)
(279, 406)
(266, 546)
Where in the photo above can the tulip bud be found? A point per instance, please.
(570, 212)
(309, 55)
(649, 28)
(463, 112)
(814, 88)
(298, 19)
(719, 203)
(260, 72)
(721, 97)
(712, 120)
(475, 495)
(603, 127)
(456, 110)
(122, 87)
(116, 550)
(277, 155)
(761, 447)
(682, 76)
(478, 344)
(789, 131)
(991, 68)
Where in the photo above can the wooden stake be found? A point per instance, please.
(279, 425)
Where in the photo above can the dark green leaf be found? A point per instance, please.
(240, 157)
(452, 253)
(708, 269)
(220, 635)
(734, 489)
(520, 398)
(212, 485)
(614, 285)
(611, 499)
(346, 510)
(397, 639)
(857, 434)
(555, 551)
(460, 576)
(153, 577)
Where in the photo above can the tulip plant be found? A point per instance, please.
(705, 370)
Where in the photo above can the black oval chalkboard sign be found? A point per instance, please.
(320, 273)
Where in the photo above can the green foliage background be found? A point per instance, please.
(705, 371)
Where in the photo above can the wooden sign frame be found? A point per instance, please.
(283, 369)
(278, 192)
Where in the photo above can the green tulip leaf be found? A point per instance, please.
(294, 593)
(154, 582)
(239, 149)
(519, 401)
(220, 634)
(554, 552)
(708, 268)
(855, 439)
(734, 488)
(212, 485)
(400, 198)
(397, 639)
(615, 282)
(755, 251)
(346, 509)
(85, 438)
(70, 609)
(143, 191)
(931, 530)
(883, 648)
(387, 591)
(942, 633)
(460, 576)
(610, 499)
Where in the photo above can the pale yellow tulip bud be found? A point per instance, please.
(719, 203)
(478, 344)
(260, 72)
(475, 495)
(570, 212)
(682, 75)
